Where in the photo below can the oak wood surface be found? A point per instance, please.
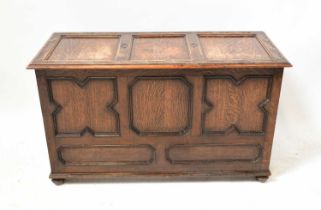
(158, 50)
(156, 123)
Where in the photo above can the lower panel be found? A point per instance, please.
(95, 155)
(160, 158)
(211, 153)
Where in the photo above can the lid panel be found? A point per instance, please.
(167, 50)
(159, 48)
(85, 48)
(233, 48)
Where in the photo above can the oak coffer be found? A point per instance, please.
(159, 106)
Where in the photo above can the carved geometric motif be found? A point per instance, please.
(83, 106)
(236, 105)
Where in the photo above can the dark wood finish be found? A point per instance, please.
(160, 106)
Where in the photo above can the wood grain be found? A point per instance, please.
(233, 48)
(236, 105)
(82, 48)
(84, 106)
(169, 93)
(160, 106)
(161, 50)
(211, 153)
(106, 155)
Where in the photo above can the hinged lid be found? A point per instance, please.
(188, 50)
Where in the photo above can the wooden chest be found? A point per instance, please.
(137, 106)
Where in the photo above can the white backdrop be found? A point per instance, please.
(294, 26)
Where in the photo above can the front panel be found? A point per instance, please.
(159, 122)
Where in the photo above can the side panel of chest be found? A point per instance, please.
(158, 122)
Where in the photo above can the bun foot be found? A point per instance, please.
(262, 179)
(58, 181)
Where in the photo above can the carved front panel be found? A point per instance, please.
(84, 106)
(236, 104)
(160, 105)
(167, 122)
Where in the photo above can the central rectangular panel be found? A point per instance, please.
(160, 105)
